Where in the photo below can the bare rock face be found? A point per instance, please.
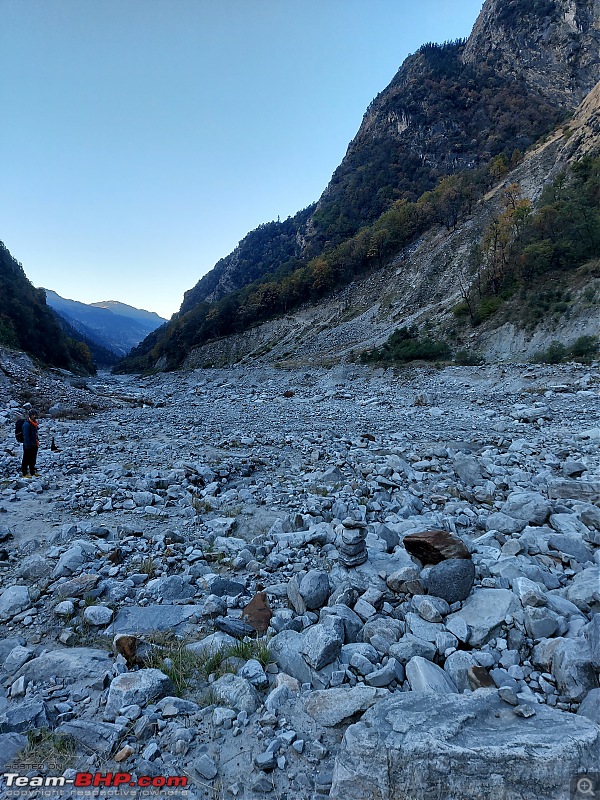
(461, 747)
(431, 547)
(553, 45)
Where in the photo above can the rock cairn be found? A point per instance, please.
(353, 546)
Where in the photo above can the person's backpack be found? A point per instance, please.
(19, 430)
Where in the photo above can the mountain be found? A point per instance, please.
(114, 326)
(148, 318)
(27, 323)
(455, 120)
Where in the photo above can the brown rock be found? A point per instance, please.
(431, 547)
(479, 678)
(115, 556)
(124, 753)
(127, 646)
(258, 612)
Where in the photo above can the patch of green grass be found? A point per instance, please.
(251, 648)
(45, 748)
(201, 506)
(174, 659)
(148, 567)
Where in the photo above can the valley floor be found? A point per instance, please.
(170, 502)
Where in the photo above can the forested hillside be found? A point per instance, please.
(28, 324)
(454, 121)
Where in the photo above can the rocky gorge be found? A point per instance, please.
(354, 583)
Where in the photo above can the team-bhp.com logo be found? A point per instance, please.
(90, 780)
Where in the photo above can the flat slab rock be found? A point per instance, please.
(82, 665)
(138, 620)
(462, 747)
(330, 707)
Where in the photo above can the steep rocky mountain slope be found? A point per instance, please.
(422, 284)
(461, 108)
(115, 326)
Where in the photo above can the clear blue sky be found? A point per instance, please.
(142, 139)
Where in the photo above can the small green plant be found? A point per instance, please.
(45, 747)
(468, 358)
(405, 345)
(201, 506)
(209, 698)
(251, 648)
(488, 307)
(461, 309)
(148, 567)
(553, 354)
(584, 347)
(172, 657)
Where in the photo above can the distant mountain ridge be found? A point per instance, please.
(123, 310)
(116, 326)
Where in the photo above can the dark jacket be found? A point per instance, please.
(30, 435)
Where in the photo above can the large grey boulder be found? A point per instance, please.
(590, 706)
(16, 658)
(73, 558)
(26, 715)
(321, 646)
(285, 649)
(468, 469)
(34, 567)
(314, 589)
(462, 747)
(425, 676)
(170, 589)
(452, 580)
(95, 736)
(331, 707)
(410, 646)
(137, 620)
(529, 508)
(484, 611)
(457, 665)
(572, 668)
(584, 589)
(212, 644)
(592, 634)
(236, 692)
(13, 600)
(529, 592)
(141, 687)
(503, 523)
(343, 619)
(540, 623)
(571, 546)
(84, 666)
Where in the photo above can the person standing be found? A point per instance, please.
(30, 444)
